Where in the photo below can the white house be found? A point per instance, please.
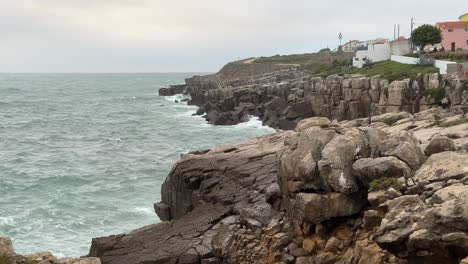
(380, 50)
(376, 51)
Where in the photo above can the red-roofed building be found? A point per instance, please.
(454, 34)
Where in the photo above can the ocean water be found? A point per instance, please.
(84, 155)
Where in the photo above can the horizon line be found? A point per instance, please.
(117, 72)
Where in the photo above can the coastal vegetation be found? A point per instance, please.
(389, 70)
(436, 93)
(426, 35)
(327, 63)
(385, 183)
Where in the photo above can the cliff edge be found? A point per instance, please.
(391, 189)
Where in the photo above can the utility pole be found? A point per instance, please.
(398, 35)
(394, 31)
(411, 41)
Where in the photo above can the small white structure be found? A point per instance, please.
(441, 64)
(400, 46)
(374, 52)
(350, 46)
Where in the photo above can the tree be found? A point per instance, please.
(426, 34)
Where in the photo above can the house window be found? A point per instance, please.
(450, 30)
(356, 59)
(467, 42)
(466, 29)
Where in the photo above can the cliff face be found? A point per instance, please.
(285, 97)
(393, 189)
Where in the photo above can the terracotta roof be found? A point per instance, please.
(401, 38)
(457, 24)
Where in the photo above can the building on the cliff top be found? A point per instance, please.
(463, 18)
(350, 46)
(455, 34)
(380, 50)
(354, 45)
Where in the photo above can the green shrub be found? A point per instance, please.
(436, 93)
(385, 183)
(425, 61)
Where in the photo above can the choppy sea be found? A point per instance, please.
(84, 155)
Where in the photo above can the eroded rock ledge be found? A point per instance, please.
(282, 98)
(303, 196)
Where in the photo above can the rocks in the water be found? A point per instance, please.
(6, 247)
(8, 256)
(172, 90)
(286, 96)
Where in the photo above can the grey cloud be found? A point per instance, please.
(176, 35)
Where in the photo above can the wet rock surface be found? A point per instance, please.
(303, 196)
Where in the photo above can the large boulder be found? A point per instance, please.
(402, 219)
(336, 165)
(311, 122)
(391, 118)
(297, 165)
(443, 167)
(405, 147)
(438, 144)
(423, 232)
(316, 208)
(368, 169)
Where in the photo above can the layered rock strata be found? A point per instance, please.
(283, 98)
(393, 189)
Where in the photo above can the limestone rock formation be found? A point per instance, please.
(302, 197)
(284, 97)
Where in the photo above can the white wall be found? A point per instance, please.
(374, 52)
(400, 47)
(441, 64)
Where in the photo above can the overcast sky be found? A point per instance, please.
(191, 35)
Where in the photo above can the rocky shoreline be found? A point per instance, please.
(282, 98)
(364, 171)
(393, 189)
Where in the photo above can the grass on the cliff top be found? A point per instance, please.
(326, 63)
(389, 70)
(392, 70)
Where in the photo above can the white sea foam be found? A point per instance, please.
(254, 122)
(177, 97)
(144, 210)
(82, 182)
(5, 221)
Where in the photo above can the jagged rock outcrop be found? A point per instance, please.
(302, 197)
(172, 90)
(284, 97)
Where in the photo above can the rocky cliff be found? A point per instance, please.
(283, 98)
(390, 189)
